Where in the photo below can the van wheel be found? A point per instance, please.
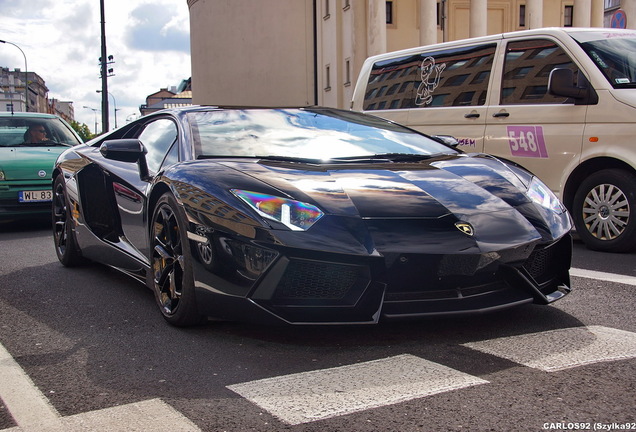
(603, 211)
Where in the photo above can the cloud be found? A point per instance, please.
(154, 28)
(61, 40)
(25, 9)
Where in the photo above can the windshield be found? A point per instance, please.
(18, 131)
(614, 53)
(320, 134)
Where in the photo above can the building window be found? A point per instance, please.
(389, 12)
(327, 77)
(347, 72)
(568, 14)
(612, 4)
(522, 15)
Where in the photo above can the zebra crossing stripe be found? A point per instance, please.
(556, 350)
(32, 411)
(317, 395)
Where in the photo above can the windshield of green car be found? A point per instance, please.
(309, 133)
(614, 53)
(22, 131)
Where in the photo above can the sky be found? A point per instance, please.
(61, 39)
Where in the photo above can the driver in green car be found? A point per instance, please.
(35, 134)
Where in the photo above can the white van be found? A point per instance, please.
(560, 102)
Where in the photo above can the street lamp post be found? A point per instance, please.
(114, 104)
(95, 111)
(26, 76)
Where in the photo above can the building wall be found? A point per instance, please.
(252, 52)
(62, 109)
(262, 52)
(12, 96)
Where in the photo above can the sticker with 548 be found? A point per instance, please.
(527, 141)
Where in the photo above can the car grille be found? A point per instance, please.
(545, 263)
(448, 294)
(316, 280)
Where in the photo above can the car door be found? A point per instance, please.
(541, 132)
(159, 138)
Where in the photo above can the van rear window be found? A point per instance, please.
(451, 77)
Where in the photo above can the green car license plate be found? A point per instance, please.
(35, 196)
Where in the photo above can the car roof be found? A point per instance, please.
(27, 115)
(542, 31)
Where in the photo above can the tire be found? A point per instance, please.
(171, 275)
(604, 211)
(66, 247)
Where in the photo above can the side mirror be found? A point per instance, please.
(123, 150)
(561, 83)
(447, 139)
(127, 150)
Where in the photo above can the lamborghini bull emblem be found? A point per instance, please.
(464, 227)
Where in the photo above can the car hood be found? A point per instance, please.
(432, 189)
(401, 206)
(28, 163)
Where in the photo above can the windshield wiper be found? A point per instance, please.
(392, 157)
(267, 158)
(379, 158)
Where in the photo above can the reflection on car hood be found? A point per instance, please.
(26, 163)
(428, 189)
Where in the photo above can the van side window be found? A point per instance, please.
(451, 77)
(527, 67)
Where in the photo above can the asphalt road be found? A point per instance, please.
(86, 349)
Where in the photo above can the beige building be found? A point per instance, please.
(309, 52)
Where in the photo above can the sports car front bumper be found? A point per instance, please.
(310, 288)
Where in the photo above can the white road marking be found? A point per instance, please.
(609, 277)
(557, 350)
(32, 411)
(316, 395)
(25, 402)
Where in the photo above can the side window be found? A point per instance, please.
(527, 68)
(453, 77)
(172, 157)
(158, 138)
(391, 84)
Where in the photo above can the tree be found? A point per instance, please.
(82, 130)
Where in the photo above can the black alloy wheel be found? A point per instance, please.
(172, 277)
(66, 248)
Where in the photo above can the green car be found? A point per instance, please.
(29, 146)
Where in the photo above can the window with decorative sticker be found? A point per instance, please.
(527, 69)
(452, 77)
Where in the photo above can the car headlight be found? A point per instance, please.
(542, 195)
(295, 215)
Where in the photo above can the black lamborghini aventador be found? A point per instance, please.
(307, 215)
